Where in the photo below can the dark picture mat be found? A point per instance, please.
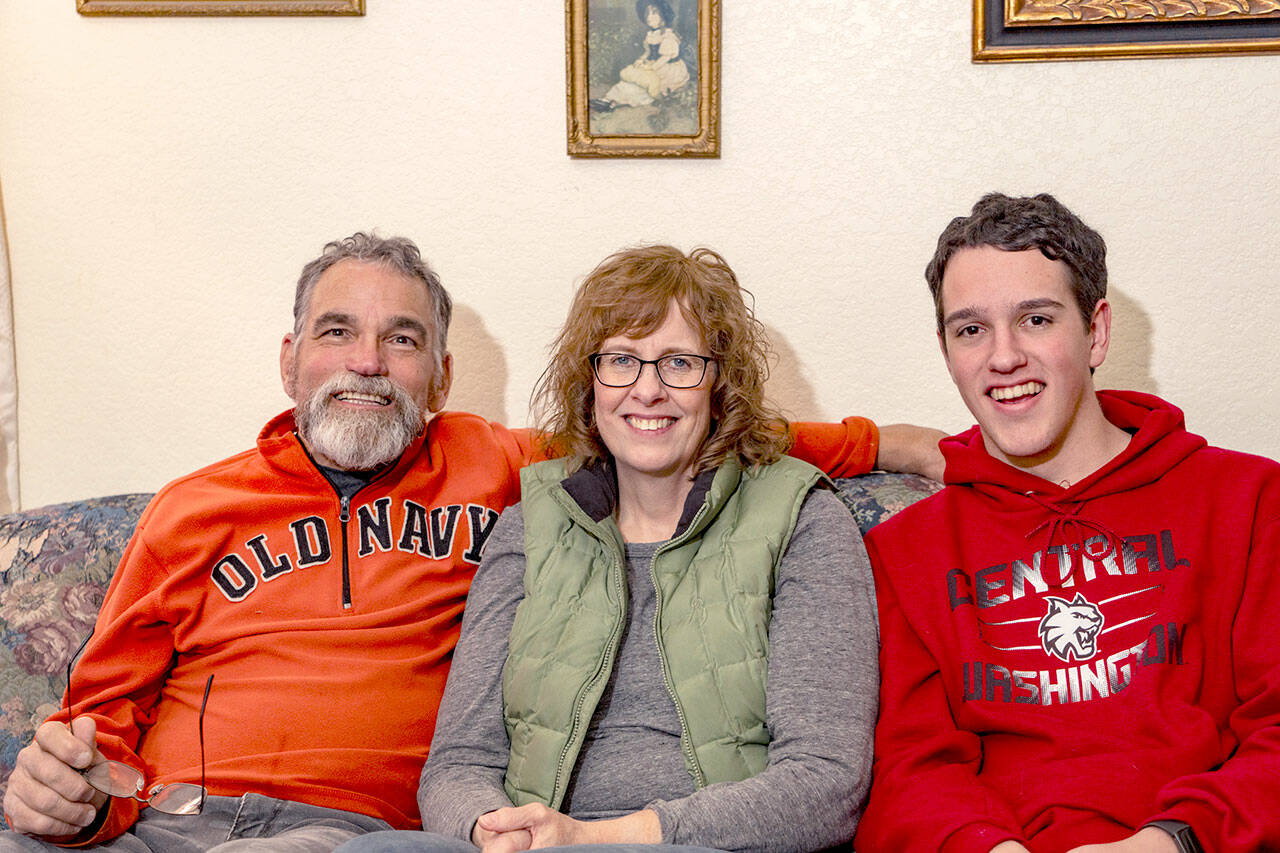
(995, 42)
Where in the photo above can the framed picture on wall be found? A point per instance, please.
(643, 78)
(220, 7)
(1030, 30)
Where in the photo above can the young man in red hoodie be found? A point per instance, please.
(1079, 633)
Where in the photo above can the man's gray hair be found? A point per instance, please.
(398, 253)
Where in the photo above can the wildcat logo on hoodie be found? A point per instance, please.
(1070, 628)
(1050, 643)
(1104, 644)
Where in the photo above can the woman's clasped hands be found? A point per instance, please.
(534, 826)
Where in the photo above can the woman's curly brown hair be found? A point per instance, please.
(630, 293)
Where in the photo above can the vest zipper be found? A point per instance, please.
(344, 515)
(686, 740)
(610, 650)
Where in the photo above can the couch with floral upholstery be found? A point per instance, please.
(56, 562)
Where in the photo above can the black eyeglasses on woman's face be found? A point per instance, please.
(620, 369)
(120, 780)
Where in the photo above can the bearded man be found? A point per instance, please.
(277, 636)
(327, 627)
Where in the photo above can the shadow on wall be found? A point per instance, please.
(1128, 363)
(788, 387)
(479, 367)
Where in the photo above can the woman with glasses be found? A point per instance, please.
(671, 640)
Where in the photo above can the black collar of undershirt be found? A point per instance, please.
(346, 483)
(595, 488)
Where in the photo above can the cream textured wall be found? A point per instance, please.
(165, 179)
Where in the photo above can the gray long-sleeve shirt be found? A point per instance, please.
(820, 704)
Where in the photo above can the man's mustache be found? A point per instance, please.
(372, 386)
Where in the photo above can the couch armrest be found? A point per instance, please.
(55, 565)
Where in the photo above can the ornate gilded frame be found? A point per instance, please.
(705, 142)
(1033, 30)
(220, 7)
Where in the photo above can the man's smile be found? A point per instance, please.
(362, 399)
(1013, 393)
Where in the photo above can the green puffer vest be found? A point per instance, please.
(714, 585)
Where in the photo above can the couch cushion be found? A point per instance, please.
(874, 497)
(55, 564)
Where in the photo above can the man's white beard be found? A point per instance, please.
(354, 439)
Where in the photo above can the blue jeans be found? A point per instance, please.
(229, 825)
(429, 842)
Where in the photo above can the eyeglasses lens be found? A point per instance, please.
(178, 798)
(114, 778)
(681, 371)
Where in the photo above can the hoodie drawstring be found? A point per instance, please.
(1064, 522)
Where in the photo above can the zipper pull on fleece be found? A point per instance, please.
(344, 515)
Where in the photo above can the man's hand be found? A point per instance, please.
(535, 826)
(1148, 840)
(911, 449)
(1009, 847)
(47, 796)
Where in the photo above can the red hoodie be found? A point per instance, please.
(1062, 666)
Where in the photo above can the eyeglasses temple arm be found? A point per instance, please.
(70, 662)
(208, 685)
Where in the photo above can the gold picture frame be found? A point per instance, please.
(1037, 30)
(220, 7)
(643, 78)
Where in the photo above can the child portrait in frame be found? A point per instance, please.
(656, 90)
(643, 77)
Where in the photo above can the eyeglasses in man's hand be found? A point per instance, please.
(120, 780)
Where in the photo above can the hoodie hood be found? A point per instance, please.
(1159, 441)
